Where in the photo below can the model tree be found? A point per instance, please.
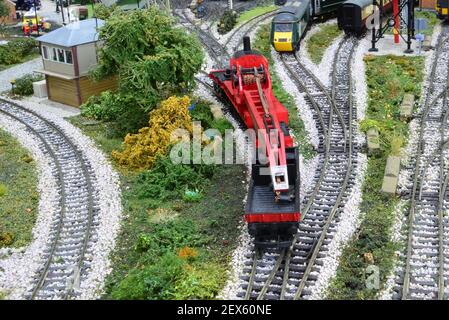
(153, 60)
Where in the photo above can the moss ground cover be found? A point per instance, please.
(245, 16)
(388, 77)
(18, 193)
(320, 41)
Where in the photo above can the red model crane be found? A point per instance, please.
(272, 209)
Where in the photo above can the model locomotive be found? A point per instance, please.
(272, 208)
(290, 24)
(442, 8)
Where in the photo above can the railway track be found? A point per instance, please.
(234, 40)
(425, 272)
(216, 51)
(65, 262)
(292, 273)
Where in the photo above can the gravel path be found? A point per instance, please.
(17, 71)
(17, 267)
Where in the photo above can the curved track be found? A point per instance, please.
(66, 259)
(234, 40)
(216, 51)
(291, 274)
(426, 271)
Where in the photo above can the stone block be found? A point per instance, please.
(407, 105)
(391, 175)
(40, 89)
(372, 137)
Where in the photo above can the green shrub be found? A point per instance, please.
(123, 110)
(227, 21)
(152, 58)
(24, 86)
(201, 112)
(221, 125)
(104, 12)
(154, 281)
(16, 49)
(170, 236)
(167, 180)
(192, 196)
(200, 282)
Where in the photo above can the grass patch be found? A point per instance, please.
(247, 15)
(389, 77)
(262, 43)
(320, 41)
(18, 193)
(171, 247)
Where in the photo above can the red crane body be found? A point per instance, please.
(273, 200)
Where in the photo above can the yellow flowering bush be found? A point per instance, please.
(141, 150)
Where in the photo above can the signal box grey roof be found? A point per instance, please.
(292, 11)
(359, 3)
(74, 34)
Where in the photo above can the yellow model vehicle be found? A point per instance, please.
(442, 8)
(30, 24)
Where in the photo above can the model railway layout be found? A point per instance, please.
(293, 233)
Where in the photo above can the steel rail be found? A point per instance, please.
(443, 190)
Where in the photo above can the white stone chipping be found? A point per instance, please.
(107, 186)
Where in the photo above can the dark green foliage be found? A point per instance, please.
(168, 181)
(201, 112)
(16, 49)
(221, 125)
(24, 86)
(153, 281)
(153, 59)
(227, 21)
(117, 108)
(81, 2)
(103, 12)
(170, 236)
